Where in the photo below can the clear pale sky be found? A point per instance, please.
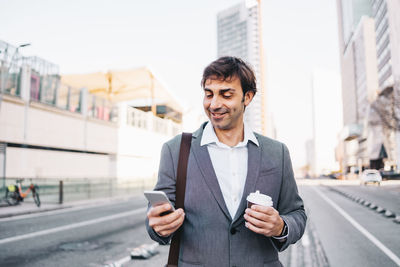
(177, 39)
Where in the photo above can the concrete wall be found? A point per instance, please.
(41, 125)
(39, 163)
(121, 150)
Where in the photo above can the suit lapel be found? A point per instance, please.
(205, 165)
(253, 168)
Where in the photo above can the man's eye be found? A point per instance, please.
(208, 96)
(227, 96)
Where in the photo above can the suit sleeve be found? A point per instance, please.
(166, 182)
(290, 205)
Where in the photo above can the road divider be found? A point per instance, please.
(385, 212)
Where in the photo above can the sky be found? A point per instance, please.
(177, 39)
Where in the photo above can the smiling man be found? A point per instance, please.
(227, 162)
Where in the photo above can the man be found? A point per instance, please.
(228, 161)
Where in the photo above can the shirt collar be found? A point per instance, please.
(210, 137)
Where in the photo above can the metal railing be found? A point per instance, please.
(53, 190)
(10, 65)
(146, 120)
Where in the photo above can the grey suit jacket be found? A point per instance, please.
(210, 237)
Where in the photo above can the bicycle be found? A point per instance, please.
(14, 194)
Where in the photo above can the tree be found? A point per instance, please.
(387, 107)
(385, 112)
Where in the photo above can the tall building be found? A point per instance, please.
(359, 77)
(369, 36)
(239, 34)
(366, 82)
(350, 13)
(387, 31)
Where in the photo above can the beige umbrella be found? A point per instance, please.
(95, 82)
(125, 85)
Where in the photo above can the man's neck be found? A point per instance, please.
(231, 137)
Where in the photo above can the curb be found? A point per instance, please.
(8, 215)
(80, 203)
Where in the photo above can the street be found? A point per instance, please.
(341, 231)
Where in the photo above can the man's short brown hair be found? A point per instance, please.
(226, 68)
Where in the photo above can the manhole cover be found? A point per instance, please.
(79, 246)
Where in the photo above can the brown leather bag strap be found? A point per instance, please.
(180, 195)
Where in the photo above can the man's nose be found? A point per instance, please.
(215, 103)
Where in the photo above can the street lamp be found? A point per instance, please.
(4, 79)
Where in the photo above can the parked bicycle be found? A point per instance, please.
(14, 194)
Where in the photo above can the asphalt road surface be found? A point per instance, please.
(341, 231)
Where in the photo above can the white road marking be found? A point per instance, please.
(71, 226)
(65, 209)
(367, 234)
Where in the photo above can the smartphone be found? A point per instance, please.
(158, 198)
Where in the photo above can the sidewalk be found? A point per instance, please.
(29, 207)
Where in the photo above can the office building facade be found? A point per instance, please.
(387, 40)
(387, 29)
(359, 79)
(370, 56)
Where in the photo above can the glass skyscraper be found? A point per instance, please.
(238, 35)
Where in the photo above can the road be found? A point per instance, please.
(345, 232)
(92, 236)
(340, 232)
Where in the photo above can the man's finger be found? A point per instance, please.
(157, 210)
(264, 209)
(255, 221)
(173, 225)
(169, 218)
(259, 215)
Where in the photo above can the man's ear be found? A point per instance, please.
(248, 97)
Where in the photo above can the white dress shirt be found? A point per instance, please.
(230, 164)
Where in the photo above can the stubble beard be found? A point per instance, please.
(228, 122)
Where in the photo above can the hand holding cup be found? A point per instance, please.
(261, 217)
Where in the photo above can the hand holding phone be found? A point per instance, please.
(163, 225)
(157, 198)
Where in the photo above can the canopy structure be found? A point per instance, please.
(124, 86)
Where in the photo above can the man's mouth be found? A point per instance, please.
(218, 115)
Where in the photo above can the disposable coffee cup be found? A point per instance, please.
(257, 198)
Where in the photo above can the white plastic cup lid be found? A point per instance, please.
(259, 199)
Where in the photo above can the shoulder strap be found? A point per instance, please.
(180, 195)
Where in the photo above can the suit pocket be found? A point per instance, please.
(189, 264)
(276, 263)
